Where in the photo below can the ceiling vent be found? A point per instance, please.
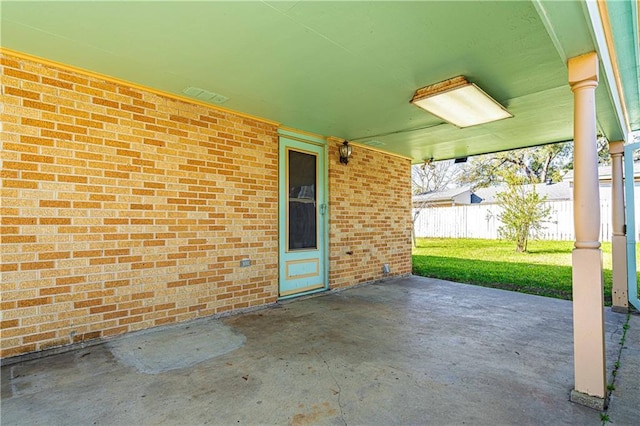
(205, 95)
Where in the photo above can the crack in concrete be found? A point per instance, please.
(337, 384)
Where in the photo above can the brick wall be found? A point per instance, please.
(123, 209)
(370, 215)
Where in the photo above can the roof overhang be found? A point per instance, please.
(349, 69)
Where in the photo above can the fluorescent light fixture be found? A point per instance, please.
(459, 102)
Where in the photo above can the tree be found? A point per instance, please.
(433, 176)
(430, 177)
(604, 157)
(523, 215)
(534, 165)
(636, 139)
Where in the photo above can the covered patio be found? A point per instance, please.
(409, 350)
(171, 161)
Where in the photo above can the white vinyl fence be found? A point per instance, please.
(481, 221)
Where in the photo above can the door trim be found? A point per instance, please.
(323, 234)
(302, 291)
(629, 183)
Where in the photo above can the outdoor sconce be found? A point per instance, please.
(345, 152)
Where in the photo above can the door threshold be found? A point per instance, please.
(309, 293)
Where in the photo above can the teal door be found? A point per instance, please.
(302, 217)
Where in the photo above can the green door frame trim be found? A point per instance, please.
(632, 272)
(285, 134)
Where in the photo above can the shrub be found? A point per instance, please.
(523, 216)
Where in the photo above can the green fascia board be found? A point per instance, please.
(570, 27)
(567, 27)
(624, 25)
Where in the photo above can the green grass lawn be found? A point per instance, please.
(544, 270)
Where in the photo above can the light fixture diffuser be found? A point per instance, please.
(459, 102)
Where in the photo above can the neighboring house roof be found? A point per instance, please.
(445, 195)
(553, 192)
(604, 173)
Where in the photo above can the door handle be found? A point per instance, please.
(323, 209)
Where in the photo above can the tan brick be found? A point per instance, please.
(55, 221)
(54, 343)
(87, 303)
(9, 324)
(9, 62)
(21, 74)
(7, 352)
(73, 78)
(87, 336)
(115, 152)
(26, 266)
(39, 337)
(54, 290)
(102, 309)
(18, 220)
(21, 93)
(115, 330)
(57, 83)
(34, 302)
(70, 280)
(28, 103)
(55, 203)
(166, 320)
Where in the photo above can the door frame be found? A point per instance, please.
(323, 175)
(629, 183)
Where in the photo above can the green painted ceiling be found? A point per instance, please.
(624, 22)
(346, 69)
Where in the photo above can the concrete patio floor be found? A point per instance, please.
(405, 351)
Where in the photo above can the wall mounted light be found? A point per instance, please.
(345, 152)
(459, 102)
(428, 162)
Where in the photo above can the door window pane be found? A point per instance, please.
(302, 173)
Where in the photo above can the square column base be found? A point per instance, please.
(620, 309)
(588, 325)
(619, 294)
(590, 401)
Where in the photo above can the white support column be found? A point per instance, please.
(619, 237)
(588, 300)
